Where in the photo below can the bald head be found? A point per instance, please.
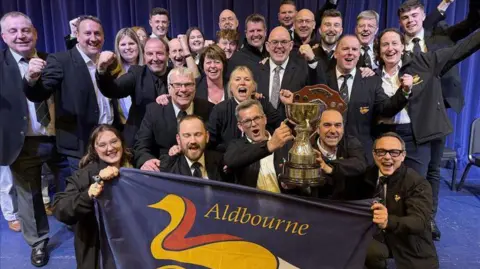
(278, 31)
(227, 20)
(279, 45)
(304, 25)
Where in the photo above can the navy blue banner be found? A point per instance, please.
(163, 220)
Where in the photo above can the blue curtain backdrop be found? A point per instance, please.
(51, 18)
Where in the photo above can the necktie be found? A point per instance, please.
(275, 87)
(181, 114)
(197, 172)
(329, 54)
(290, 32)
(41, 108)
(416, 46)
(344, 88)
(367, 61)
(380, 191)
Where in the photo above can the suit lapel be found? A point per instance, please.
(211, 166)
(82, 68)
(148, 87)
(264, 84)
(288, 74)
(183, 166)
(332, 79)
(357, 86)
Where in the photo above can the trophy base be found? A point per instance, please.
(302, 175)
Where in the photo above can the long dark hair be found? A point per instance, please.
(92, 156)
(376, 45)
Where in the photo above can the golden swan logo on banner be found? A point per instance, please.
(216, 251)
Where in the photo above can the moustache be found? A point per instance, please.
(193, 146)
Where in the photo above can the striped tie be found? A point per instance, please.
(41, 109)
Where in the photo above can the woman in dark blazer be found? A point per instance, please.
(211, 85)
(75, 206)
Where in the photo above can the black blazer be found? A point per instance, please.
(76, 109)
(139, 84)
(324, 63)
(349, 166)
(157, 133)
(247, 56)
(178, 165)
(202, 87)
(243, 160)
(222, 124)
(426, 107)
(74, 207)
(409, 203)
(13, 108)
(367, 102)
(70, 42)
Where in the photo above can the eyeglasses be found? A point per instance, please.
(248, 123)
(300, 21)
(180, 85)
(283, 43)
(392, 152)
(113, 144)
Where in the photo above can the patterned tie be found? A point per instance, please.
(41, 108)
(380, 191)
(329, 54)
(197, 172)
(416, 46)
(367, 61)
(276, 87)
(344, 88)
(181, 114)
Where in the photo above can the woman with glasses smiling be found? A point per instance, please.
(106, 154)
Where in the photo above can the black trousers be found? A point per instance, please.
(377, 255)
(27, 175)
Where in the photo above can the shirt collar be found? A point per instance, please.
(84, 56)
(177, 109)
(420, 35)
(274, 65)
(326, 49)
(386, 75)
(18, 57)
(338, 73)
(201, 161)
(326, 153)
(268, 137)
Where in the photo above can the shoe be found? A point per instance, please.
(436, 234)
(39, 256)
(48, 209)
(14, 225)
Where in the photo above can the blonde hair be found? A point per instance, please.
(240, 68)
(130, 33)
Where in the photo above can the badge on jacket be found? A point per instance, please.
(364, 109)
(397, 198)
(417, 80)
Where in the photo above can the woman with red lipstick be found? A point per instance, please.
(105, 155)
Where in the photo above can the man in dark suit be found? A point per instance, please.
(143, 83)
(280, 71)
(403, 213)
(194, 159)
(341, 157)
(364, 96)
(253, 50)
(79, 105)
(331, 28)
(420, 39)
(255, 159)
(159, 126)
(27, 132)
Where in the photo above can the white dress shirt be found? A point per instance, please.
(349, 81)
(371, 54)
(421, 36)
(202, 166)
(272, 74)
(267, 176)
(105, 107)
(34, 127)
(177, 109)
(125, 103)
(390, 85)
(326, 153)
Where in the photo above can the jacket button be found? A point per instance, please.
(22, 133)
(24, 117)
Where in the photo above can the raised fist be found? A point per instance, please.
(35, 67)
(106, 59)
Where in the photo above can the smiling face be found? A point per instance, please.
(331, 29)
(159, 24)
(19, 35)
(388, 164)
(304, 24)
(213, 68)
(182, 89)
(228, 46)
(227, 20)
(366, 30)
(252, 123)
(286, 15)
(192, 138)
(176, 52)
(109, 148)
(196, 41)
(156, 56)
(128, 50)
(412, 21)
(279, 45)
(347, 54)
(256, 34)
(330, 128)
(90, 37)
(241, 85)
(391, 48)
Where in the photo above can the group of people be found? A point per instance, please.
(216, 110)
